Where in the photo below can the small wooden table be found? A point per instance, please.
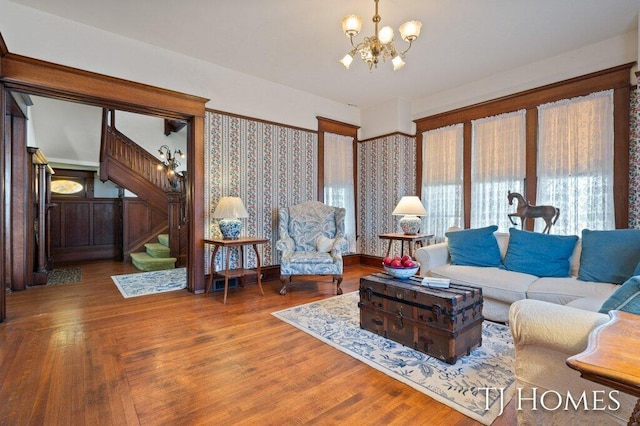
(611, 357)
(410, 239)
(242, 241)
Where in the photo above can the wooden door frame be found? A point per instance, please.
(24, 74)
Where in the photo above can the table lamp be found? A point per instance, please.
(229, 209)
(410, 207)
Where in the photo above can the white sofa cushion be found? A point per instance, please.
(564, 290)
(496, 283)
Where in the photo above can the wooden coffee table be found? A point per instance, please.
(612, 358)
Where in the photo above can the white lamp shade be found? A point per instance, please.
(346, 61)
(351, 25)
(410, 30)
(385, 35)
(409, 205)
(397, 63)
(230, 207)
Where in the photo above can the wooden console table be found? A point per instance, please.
(611, 357)
(410, 239)
(240, 242)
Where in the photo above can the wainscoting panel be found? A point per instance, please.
(265, 164)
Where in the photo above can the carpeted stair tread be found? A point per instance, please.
(144, 262)
(157, 250)
(164, 239)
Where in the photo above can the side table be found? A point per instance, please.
(611, 358)
(240, 272)
(410, 239)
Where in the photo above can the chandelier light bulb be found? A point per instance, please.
(346, 61)
(351, 25)
(410, 30)
(397, 63)
(385, 35)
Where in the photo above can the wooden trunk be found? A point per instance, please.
(443, 323)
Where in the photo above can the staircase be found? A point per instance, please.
(156, 257)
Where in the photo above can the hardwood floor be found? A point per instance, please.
(81, 354)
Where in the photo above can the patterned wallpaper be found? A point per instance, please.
(271, 166)
(634, 162)
(265, 164)
(386, 172)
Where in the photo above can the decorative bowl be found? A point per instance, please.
(401, 273)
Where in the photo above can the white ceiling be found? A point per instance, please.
(298, 42)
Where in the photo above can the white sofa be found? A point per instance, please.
(501, 288)
(545, 335)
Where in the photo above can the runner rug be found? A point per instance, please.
(144, 283)
(336, 321)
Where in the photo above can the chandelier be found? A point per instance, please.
(170, 164)
(380, 44)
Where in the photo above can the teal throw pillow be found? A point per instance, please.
(542, 255)
(474, 247)
(609, 256)
(626, 298)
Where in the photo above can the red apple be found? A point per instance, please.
(387, 261)
(395, 263)
(409, 264)
(406, 258)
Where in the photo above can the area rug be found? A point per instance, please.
(463, 386)
(64, 276)
(144, 283)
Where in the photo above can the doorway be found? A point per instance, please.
(28, 75)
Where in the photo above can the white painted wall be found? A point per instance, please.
(596, 57)
(396, 115)
(44, 36)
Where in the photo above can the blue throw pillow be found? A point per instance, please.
(626, 298)
(609, 256)
(474, 247)
(542, 255)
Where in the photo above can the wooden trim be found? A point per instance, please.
(387, 135)
(246, 117)
(327, 125)
(622, 108)
(3, 47)
(612, 78)
(531, 160)
(332, 126)
(45, 78)
(41, 77)
(466, 173)
(3, 166)
(195, 202)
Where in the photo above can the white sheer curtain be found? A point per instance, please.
(338, 181)
(497, 167)
(575, 162)
(442, 186)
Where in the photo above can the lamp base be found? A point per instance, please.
(230, 228)
(410, 224)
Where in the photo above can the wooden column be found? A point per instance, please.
(175, 221)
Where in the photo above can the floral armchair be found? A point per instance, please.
(311, 241)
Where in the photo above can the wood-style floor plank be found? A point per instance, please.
(81, 354)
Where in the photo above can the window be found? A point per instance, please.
(497, 167)
(442, 179)
(575, 162)
(338, 181)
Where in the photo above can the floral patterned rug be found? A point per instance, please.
(143, 283)
(463, 386)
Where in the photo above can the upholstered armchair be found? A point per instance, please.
(311, 241)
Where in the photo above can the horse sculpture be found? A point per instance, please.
(548, 213)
